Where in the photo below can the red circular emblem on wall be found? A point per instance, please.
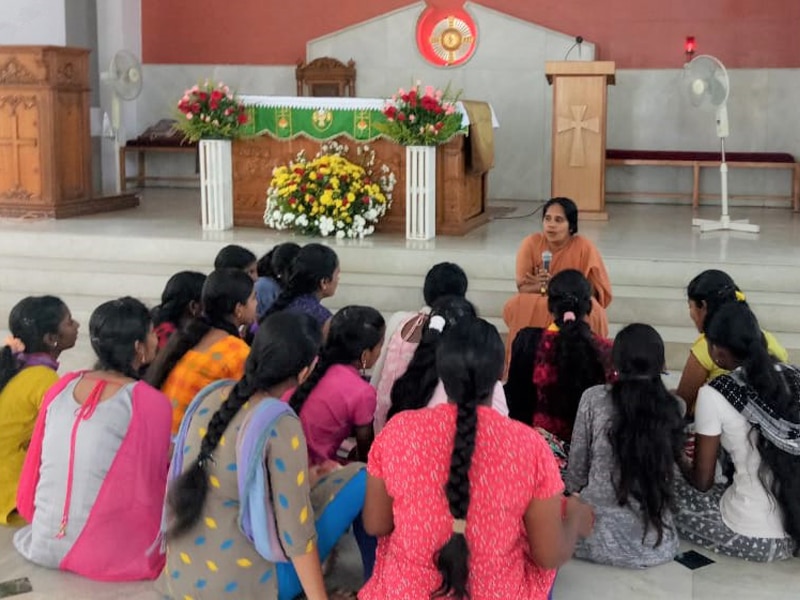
(446, 38)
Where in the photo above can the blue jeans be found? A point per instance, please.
(340, 513)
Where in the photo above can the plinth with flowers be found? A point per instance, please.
(212, 115)
(420, 119)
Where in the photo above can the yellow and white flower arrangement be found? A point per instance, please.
(329, 195)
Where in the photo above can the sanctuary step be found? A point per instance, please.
(87, 262)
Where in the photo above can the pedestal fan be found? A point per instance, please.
(709, 86)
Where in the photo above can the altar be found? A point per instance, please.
(280, 127)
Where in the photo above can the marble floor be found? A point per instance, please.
(654, 232)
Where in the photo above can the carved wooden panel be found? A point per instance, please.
(460, 197)
(45, 148)
(20, 160)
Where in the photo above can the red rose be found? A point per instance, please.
(401, 116)
(216, 95)
(303, 187)
(299, 170)
(214, 104)
(365, 200)
(202, 96)
(195, 108)
(292, 201)
(390, 112)
(404, 97)
(412, 102)
(242, 118)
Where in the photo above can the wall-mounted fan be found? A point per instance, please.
(124, 75)
(708, 86)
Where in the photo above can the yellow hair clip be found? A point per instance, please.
(740, 297)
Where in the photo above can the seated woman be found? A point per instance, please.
(237, 257)
(209, 347)
(180, 301)
(568, 250)
(96, 470)
(313, 276)
(707, 292)
(41, 329)
(551, 368)
(420, 386)
(626, 441)
(290, 516)
(273, 271)
(405, 330)
(465, 501)
(753, 412)
(335, 401)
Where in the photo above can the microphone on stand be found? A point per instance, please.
(578, 44)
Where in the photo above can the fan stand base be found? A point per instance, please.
(725, 224)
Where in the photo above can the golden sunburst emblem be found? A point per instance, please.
(452, 39)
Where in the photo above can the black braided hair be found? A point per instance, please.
(30, 320)
(223, 290)
(284, 345)
(469, 360)
(314, 264)
(646, 433)
(114, 329)
(520, 390)
(711, 290)
(736, 328)
(353, 330)
(575, 351)
(414, 388)
(182, 289)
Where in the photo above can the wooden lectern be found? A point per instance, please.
(579, 132)
(45, 143)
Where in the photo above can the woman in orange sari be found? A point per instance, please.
(528, 308)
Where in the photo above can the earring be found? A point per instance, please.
(55, 345)
(363, 366)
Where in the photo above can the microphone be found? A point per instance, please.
(578, 44)
(547, 258)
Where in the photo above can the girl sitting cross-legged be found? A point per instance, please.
(41, 329)
(753, 412)
(551, 368)
(209, 347)
(625, 444)
(248, 518)
(335, 401)
(467, 503)
(93, 483)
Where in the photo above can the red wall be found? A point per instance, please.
(634, 33)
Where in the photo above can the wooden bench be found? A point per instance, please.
(697, 160)
(141, 150)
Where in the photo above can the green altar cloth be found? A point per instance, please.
(316, 118)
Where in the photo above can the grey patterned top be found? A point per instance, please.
(618, 531)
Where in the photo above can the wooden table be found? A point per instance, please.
(141, 176)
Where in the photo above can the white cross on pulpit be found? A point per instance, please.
(15, 142)
(577, 124)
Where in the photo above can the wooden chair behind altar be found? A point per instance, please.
(326, 76)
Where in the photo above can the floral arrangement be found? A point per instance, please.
(421, 116)
(329, 194)
(210, 111)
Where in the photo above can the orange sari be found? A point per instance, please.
(530, 310)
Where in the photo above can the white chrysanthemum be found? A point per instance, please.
(340, 235)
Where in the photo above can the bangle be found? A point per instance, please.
(563, 508)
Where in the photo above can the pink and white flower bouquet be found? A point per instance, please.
(210, 111)
(421, 116)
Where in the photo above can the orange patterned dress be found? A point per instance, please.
(223, 360)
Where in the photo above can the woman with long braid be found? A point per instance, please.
(752, 411)
(336, 402)
(209, 347)
(467, 502)
(313, 276)
(94, 477)
(247, 517)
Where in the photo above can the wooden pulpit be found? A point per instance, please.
(45, 143)
(579, 132)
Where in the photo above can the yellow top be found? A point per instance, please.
(20, 401)
(700, 352)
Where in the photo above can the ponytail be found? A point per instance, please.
(9, 366)
(283, 346)
(223, 290)
(414, 388)
(470, 361)
(353, 330)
